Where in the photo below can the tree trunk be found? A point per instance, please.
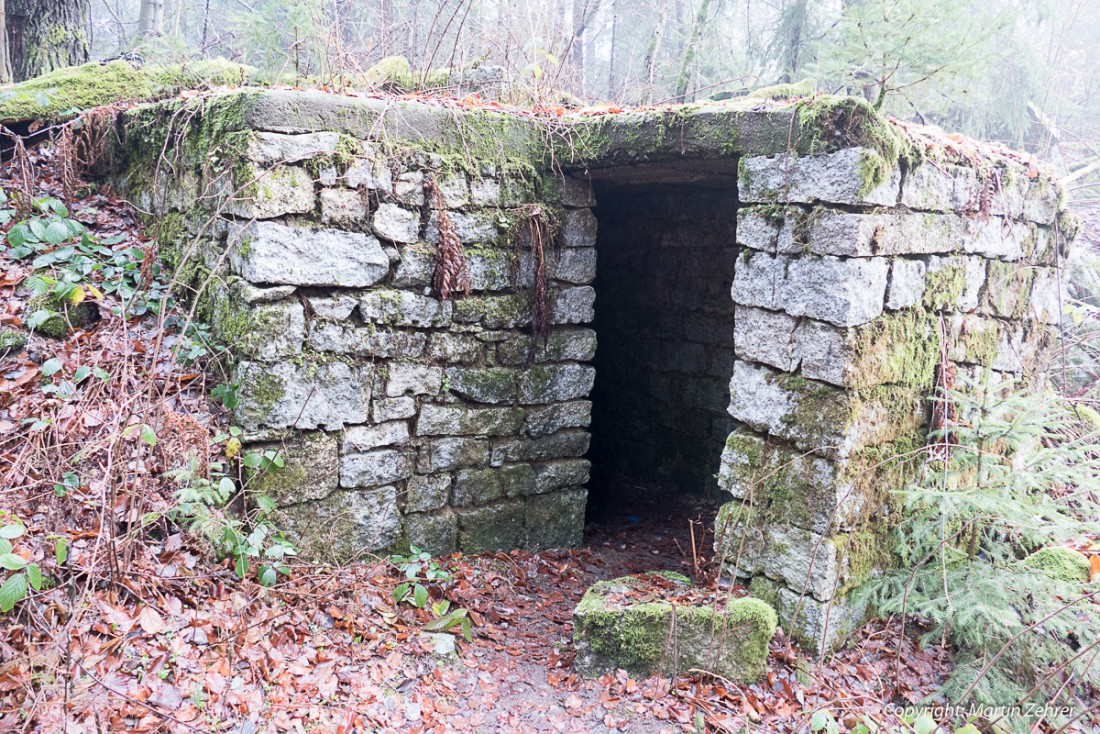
(684, 79)
(649, 64)
(611, 85)
(44, 35)
(151, 20)
(5, 56)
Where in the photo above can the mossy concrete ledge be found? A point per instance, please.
(621, 623)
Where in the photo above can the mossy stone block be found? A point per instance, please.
(11, 340)
(611, 631)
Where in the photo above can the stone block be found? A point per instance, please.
(494, 312)
(434, 533)
(365, 438)
(310, 471)
(343, 206)
(941, 188)
(563, 444)
(578, 228)
(267, 149)
(1008, 290)
(415, 267)
(573, 265)
(615, 627)
(374, 468)
(482, 486)
(484, 384)
(498, 270)
(451, 348)
(554, 475)
(954, 283)
(403, 308)
(555, 520)
(409, 378)
(283, 395)
(366, 341)
(337, 307)
(345, 525)
(845, 292)
(836, 178)
(270, 193)
(427, 492)
(253, 295)
(816, 626)
(906, 284)
(553, 383)
(446, 454)
(473, 228)
(803, 561)
(408, 188)
(819, 417)
(787, 486)
(1021, 197)
(901, 348)
(393, 223)
(572, 305)
(454, 189)
(768, 231)
(576, 192)
(1047, 297)
(459, 420)
(263, 331)
(369, 170)
(389, 409)
(765, 336)
(494, 527)
(542, 420)
(567, 344)
(268, 252)
(485, 192)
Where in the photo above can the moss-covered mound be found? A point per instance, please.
(65, 92)
(658, 622)
(1064, 564)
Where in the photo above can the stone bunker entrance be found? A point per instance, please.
(665, 257)
(773, 288)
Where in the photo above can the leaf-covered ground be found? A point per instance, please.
(138, 628)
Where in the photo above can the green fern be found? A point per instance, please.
(1016, 473)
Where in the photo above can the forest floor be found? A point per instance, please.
(139, 628)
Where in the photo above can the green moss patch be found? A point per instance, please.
(1064, 564)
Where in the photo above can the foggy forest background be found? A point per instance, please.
(1023, 72)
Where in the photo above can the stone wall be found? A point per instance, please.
(404, 419)
(779, 285)
(664, 318)
(851, 301)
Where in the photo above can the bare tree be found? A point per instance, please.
(151, 20)
(5, 56)
(44, 35)
(690, 50)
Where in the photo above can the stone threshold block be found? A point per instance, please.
(659, 623)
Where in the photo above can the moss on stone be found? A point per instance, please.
(828, 122)
(1064, 564)
(11, 340)
(944, 287)
(65, 92)
(646, 636)
(900, 348)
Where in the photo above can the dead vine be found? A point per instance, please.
(540, 235)
(452, 271)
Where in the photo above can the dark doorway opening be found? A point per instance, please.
(664, 324)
